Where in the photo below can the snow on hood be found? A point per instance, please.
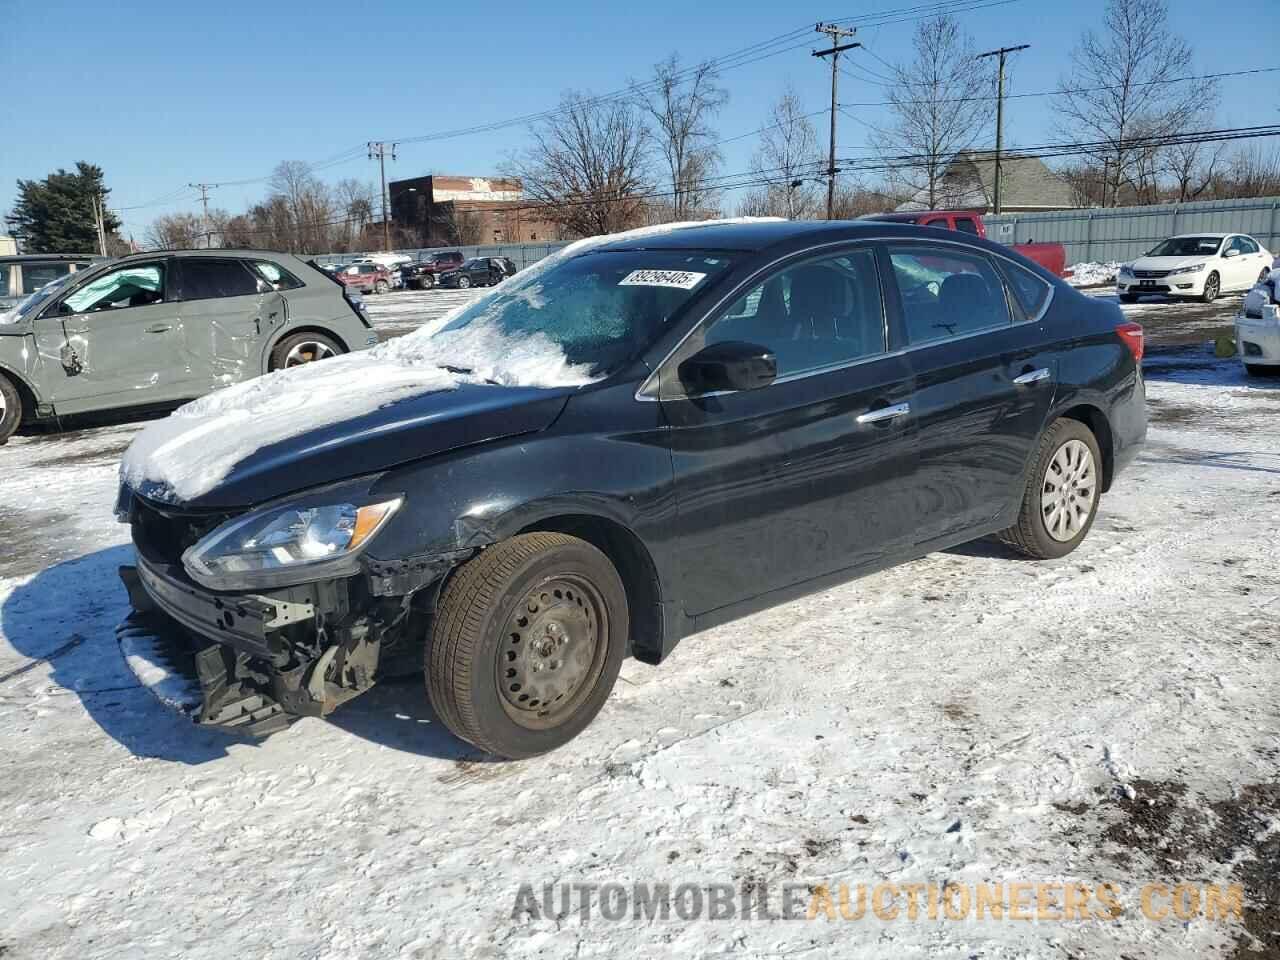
(195, 448)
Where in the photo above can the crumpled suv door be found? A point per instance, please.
(227, 313)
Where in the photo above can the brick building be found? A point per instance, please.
(463, 211)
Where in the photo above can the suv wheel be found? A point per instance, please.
(10, 409)
(1061, 496)
(527, 643)
(303, 348)
(427, 281)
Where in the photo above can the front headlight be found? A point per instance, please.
(1194, 268)
(285, 544)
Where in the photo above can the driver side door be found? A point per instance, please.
(111, 342)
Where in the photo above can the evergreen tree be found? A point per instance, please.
(55, 215)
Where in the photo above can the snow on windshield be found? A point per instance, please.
(195, 448)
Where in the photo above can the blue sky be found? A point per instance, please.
(163, 94)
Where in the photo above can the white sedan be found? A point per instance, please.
(1200, 265)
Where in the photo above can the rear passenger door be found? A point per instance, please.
(225, 307)
(984, 379)
(805, 476)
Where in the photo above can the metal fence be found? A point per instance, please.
(521, 254)
(1124, 233)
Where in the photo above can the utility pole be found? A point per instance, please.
(995, 201)
(204, 200)
(378, 149)
(836, 34)
(100, 223)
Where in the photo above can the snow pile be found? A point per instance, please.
(1090, 274)
(194, 449)
(1260, 301)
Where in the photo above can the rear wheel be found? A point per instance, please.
(303, 348)
(527, 643)
(1212, 287)
(464, 282)
(1061, 496)
(10, 409)
(1262, 276)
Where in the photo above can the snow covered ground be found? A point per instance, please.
(969, 718)
(1091, 274)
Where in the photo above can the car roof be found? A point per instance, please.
(1205, 233)
(758, 236)
(211, 252)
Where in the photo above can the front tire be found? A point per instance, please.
(10, 409)
(464, 282)
(1062, 493)
(1212, 287)
(527, 643)
(428, 281)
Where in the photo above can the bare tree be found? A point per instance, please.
(1192, 167)
(787, 163)
(462, 225)
(308, 204)
(938, 102)
(1120, 87)
(586, 168)
(176, 231)
(682, 103)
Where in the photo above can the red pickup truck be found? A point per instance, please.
(1051, 256)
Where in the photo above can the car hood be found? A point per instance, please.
(401, 432)
(1169, 263)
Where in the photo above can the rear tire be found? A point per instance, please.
(1055, 515)
(542, 615)
(464, 282)
(10, 409)
(300, 348)
(1212, 287)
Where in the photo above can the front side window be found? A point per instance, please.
(947, 293)
(818, 314)
(136, 285)
(601, 308)
(209, 279)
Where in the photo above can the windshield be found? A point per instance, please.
(32, 302)
(602, 308)
(1187, 247)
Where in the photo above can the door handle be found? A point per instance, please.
(1032, 376)
(160, 328)
(881, 414)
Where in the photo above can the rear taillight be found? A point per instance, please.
(1131, 334)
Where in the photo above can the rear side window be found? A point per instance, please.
(208, 279)
(1031, 292)
(967, 225)
(276, 275)
(947, 293)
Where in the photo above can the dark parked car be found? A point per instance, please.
(478, 272)
(154, 329)
(365, 277)
(24, 274)
(772, 408)
(421, 275)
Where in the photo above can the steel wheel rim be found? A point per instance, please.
(552, 651)
(1068, 491)
(308, 351)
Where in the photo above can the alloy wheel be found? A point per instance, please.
(1068, 491)
(308, 351)
(552, 651)
(1211, 287)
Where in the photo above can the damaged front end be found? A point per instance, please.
(264, 658)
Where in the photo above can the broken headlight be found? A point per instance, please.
(286, 543)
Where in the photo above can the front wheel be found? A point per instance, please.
(527, 643)
(1061, 496)
(464, 282)
(381, 286)
(10, 409)
(1212, 287)
(428, 281)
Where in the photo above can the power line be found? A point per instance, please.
(836, 34)
(1001, 53)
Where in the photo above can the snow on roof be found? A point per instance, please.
(195, 448)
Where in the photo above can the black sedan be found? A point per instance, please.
(478, 272)
(768, 409)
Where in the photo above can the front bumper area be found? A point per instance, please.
(1178, 285)
(1258, 342)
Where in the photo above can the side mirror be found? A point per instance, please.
(1233, 252)
(731, 365)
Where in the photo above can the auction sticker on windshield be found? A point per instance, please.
(681, 279)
